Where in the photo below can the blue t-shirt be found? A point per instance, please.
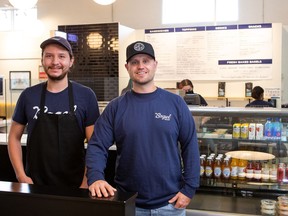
(259, 103)
(28, 105)
(147, 130)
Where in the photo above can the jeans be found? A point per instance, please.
(167, 210)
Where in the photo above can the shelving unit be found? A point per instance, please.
(214, 130)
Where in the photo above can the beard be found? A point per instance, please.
(58, 78)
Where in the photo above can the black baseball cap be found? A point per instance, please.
(139, 47)
(57, 40)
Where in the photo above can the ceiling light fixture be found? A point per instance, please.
(104, 2)
(23, 4)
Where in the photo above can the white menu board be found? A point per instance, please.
(232, 52)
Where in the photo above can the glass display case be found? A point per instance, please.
(243, 149)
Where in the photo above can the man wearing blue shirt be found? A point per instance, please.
(59, 115)
(155, 135)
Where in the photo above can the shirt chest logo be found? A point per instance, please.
(163, 117)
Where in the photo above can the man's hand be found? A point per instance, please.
(180, 200)
(101, 188)
(24, 179)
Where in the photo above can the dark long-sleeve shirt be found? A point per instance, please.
(147, 130)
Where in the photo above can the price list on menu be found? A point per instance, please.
(232, 52)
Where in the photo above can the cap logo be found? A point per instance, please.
(139, 47)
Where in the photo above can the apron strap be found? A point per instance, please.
(42, 101)
(71, 98)
(70, 93)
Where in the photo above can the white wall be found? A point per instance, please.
(135, 14)
(139, 14)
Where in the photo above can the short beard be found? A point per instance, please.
(58, 78)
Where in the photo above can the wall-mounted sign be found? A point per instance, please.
(226, 52)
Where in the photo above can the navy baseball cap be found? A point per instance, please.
(57, 40)
(139, 47)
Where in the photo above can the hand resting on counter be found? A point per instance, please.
(101, 188)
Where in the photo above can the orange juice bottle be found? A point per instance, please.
(242, 169)
(234, 168)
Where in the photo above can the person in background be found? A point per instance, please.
(60, 114)
(258, 95)
(187, 86)
(147, 125)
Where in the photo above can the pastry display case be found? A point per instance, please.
(243, 150)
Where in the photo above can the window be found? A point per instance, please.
(13, 19)
(199, 11)
(5, 20)
(23, 19)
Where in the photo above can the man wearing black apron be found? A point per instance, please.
(60, 114)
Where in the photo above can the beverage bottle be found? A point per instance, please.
(249, 171)
(220, 156)
(234, 168)
(244, 130)
(268, 129)
(286, 174)
(257, 171)
(212, 155)
(209, 167)
(252, 131)
(281, 172)
(277, 129)
(259, 131)
(226, 172)
(242, 169)
(217, 168)
(265, 172)
(236, 130)
(202, 166)
(273, 172)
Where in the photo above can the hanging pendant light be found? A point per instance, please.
(23, 4)
(104, 2)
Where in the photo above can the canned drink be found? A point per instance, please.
(244, 130)
(236, 130)
(259, 131)
(252, 129)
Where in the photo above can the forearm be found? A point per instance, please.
(15, 149)
(84, 183)
(15, 154)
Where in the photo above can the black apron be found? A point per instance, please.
(55, 149)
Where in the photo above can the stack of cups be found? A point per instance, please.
(282, 205)
(268, 207)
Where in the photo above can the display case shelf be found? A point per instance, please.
(215, 135)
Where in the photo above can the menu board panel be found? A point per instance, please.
(230, 52)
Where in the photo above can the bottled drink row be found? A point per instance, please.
(271, 130)
(226, 167)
